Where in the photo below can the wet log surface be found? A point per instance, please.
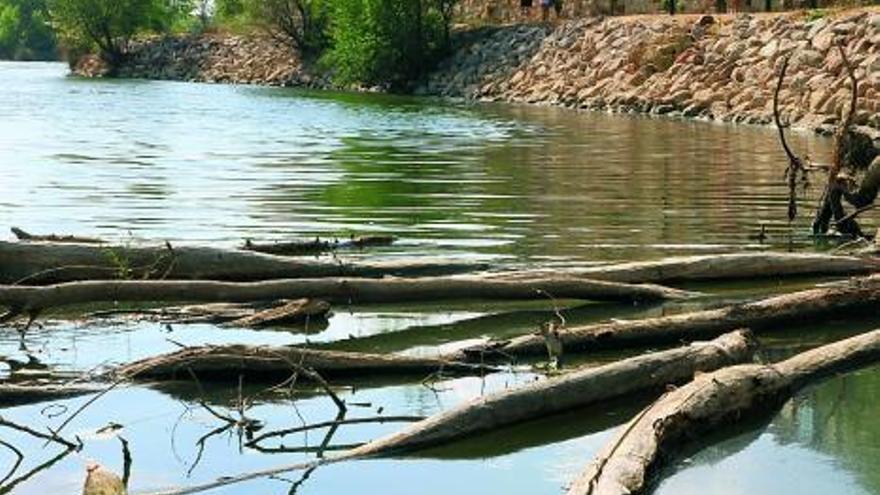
(224, 363)
(318, 246)
(571, 390)
(56, 262)
(732, 267)
(387, 290)
(629, 461)
(857, 294)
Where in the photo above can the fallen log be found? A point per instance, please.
(213, 363)
(575, 389)
(32, 299)
(731, 267)
(628, 462)
(249, 315)
(861, 293)
(21, 235)
(318, 246)
(298, 311)
(54, 262)
(19, 394)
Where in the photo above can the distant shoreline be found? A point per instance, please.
(719, 68)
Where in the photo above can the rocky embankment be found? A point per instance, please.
(212, 58)
(719, 68)
(712, 67)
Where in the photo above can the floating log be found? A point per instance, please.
(733, 266)
(33, 299)
(265, 362)
(853, 295)
(298, 311)
(318, 246)
(250, 315)
(628, 462)
(571, 390)
(21, 235)
(18, 394)
(54, 262)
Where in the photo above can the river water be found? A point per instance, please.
(203, 164)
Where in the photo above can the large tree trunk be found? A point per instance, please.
(804, 305)
(55, 262)
(625, 466)
(31, 299)
(212, 363)
(575, 389)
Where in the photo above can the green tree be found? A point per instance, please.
(301, 23)
(24, 31)
(387, 42)
(108, 25)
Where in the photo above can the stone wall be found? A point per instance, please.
(212, 58)
(508, 11)
(718, 68)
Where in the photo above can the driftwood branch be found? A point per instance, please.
(18, 394)
(54, 262)
(854, 295)
(795, 170)
(732, 267)
(591, 386)
(711, 400)
(25, 236)
(830, 204)
(261, 363)
(579, 388)
(31, 298)
(318, 246)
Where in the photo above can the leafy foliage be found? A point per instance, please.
(387, 42)
(301, 23)
(108, 25)
(24, 31)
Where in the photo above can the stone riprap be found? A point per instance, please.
(710, 67)
(720, 68)
(213, 58)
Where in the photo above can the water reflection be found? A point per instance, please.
(219, 163)
(825, 440)
(215, 164)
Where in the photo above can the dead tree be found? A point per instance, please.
(854, 154)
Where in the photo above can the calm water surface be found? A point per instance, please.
(131, 160)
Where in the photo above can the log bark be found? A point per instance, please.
(33, 299)
(318, 246)
(854, 295)
(733, 266)
(19, 394)
(298, 311)
(26, 236)
(264, 362)
(627, 464)
(53, 262)
(252, 315)
(579, 388)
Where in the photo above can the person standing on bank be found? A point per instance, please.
(525, 8)
(545, 9)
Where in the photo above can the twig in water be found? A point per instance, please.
(126, 460)
(34, 433)
(19, 458)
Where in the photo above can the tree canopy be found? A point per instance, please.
(25, 33)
